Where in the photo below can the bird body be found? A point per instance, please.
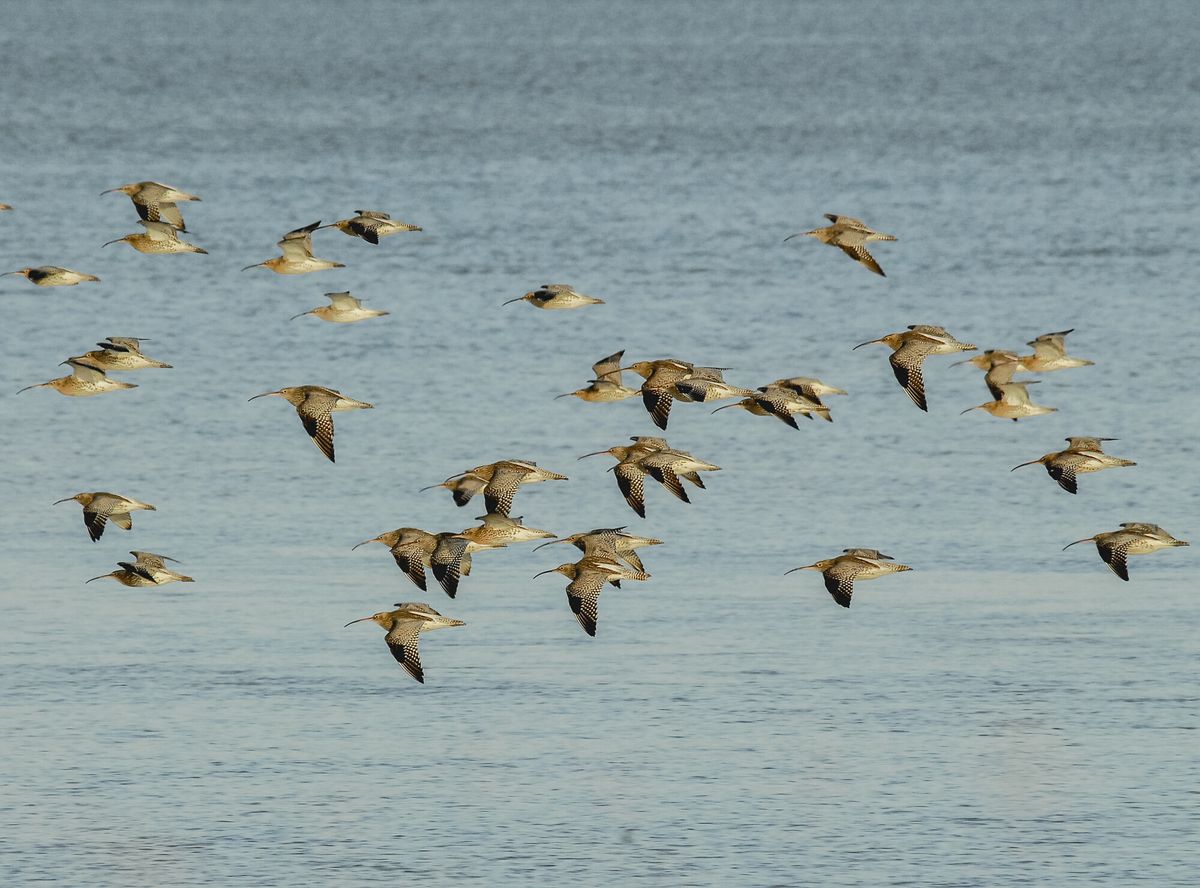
(159, 237)
(156, 202)
(1013, 402)
(86, 379)
(853, 564)
(122, 353)
(1050, 353)
(404, 627)
(607, 385)
(148, 569)
(809, 386)
(342, 309)
(297, 257)
(910, 348)
(609, 542)
(554, 297)
(371, 225)
(52, 276)
(314, 404)
(851, 236)
(1134, 538)
(100, 506)
(782, 403)
(1082, 455)
(588, 576)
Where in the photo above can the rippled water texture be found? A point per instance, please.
(1006, 714)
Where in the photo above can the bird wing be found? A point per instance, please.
(95, 516)
(343, 301)
(166, 211)
(583, 594)
(450, 562)
(776, 404)
(1014, 393)
(402, 642)
(859, 254)
(906, 364)
(123, 520)
(316, 412)
(86, 372)
(658, 403)
(847, 221)
(499, 492)
(609, 368)
(297, 244)
(1050, 345)
(631, 480)
(839, 580)
(465, 488)
(410, 558)
(366, 228)
(1064, 473)
(1115, 553)
(162, 232)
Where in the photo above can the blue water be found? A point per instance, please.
(1006, 714)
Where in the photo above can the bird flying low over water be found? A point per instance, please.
(553, 297)
(156, 202)
(404, 627)
(656, 458)
(498, 481)
(86, 379)
(342, 309)
(371, 225)
(851, 236)
(782, 403)
(412, 548)
(297, 257)
(1082, 455)
(100, 506)
(1134, 538)
(841, 571)
(314, 404)
(607, 384)
(1013, 402)
(52, 276)
(159, 237)
(609, 542)
(1050, 353)
(122, 353)
(588, 576)
(148, 570)
(910, 348)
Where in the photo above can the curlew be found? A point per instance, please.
(1050, 353)
(607, 385)
(86, 379)
(100, 506)
(653, 457)
(404, 627)
(706, 384)
(462, 487)
(609, 542)
(315, 405)
(588, 576)
(662, 379)
(555, 297)
(507, 476)
(371, 225)
(122, 353)
(853, 564)
(156, 202)
(412, 548)
(809, 386)
(148, 569)
(782, 403)
(1013, 402)
(159, 237)
(1082, 455)
(52, 276)
(297, 255)
(910, 348)
(342, 309)
(851, 236)
(1134, 538)
(451, 559)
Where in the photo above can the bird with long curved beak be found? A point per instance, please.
(315, 405)
(404, 627)
(159, 237)
(86, 379)
(1013, 402)
(156, 202)
(1083, 455)
(1134, 538)
(297, 257)
(853, 564)
(588, 576)
(553, 297)
(850, 235)
(910, 348)
(52, 276)
(99, 507)
(608, 542)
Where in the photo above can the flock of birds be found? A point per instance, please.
(609, 555)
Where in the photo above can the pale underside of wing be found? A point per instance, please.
(906, 363)
(410, 558)
(402, 641)
(609, 368)
(1115, 554)
(450, 562)
(859, 254)
(631, 481)
(658, 403)
(316, 413)
(343, 301)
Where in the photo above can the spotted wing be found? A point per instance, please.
(402, 642)
(141, 570)
(1064, 474)
(466, 488)
(450, 562)
(499, 492)
(631, 479)
(859, 254)
(906, 363)
(366, 228)
(583, 595)
(95, 519)
(839, 580)
(694, 477)
(1115, 554)
(665, 475)
(778, 406)
(123, 520)
(632, 558)
(316, 412)
(658, 403)
(411, 560)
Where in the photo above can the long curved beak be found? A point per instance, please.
(7, 273)
(794, 569)
(28, 387)
(117, 241)
(255, 265)
(101, 577)
(566, 395)
(868, 342)
(723, 407)
(293, 317)
(797, 234)
(364, 542)
(67, 500)
(586, 455)
(110, 191)
(361, 619)
(543, 573)
(956, 363)
(511, 301)
(976, 407)
(1032, 462)
(263, 395)
(430, 487)
(1077, 542)
(543, 545)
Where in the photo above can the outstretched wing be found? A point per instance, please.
(411, 560)
(450, 562)
(658, 403)
(1115, 555)
(859, 254)
(402, 642)
(316, 414)
(631, 480)
(906, 364)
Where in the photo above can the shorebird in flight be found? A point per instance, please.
(841, 571)
(1013, 402)
(148, 569)
(52, 276)
(371, 225)
(910, 348)
(653, 457)
(851, 236)
(782, 403)
(1134, 538)
(1082, 455)
(607, 384)
(588, 576)
(498, 481)
(462, 487)
(99, 507)
(608, 542)
(122, 353)
(297, 255)
(662, 384)
(156, 202)
(86, 379)
(404, 627)
(315, 405)
(159, 237)
(1050, 353)
(413, 550)
(342, 309)
(553, 297)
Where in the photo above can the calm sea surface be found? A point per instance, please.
(1006, 714)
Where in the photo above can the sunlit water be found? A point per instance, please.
(1007, 713)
